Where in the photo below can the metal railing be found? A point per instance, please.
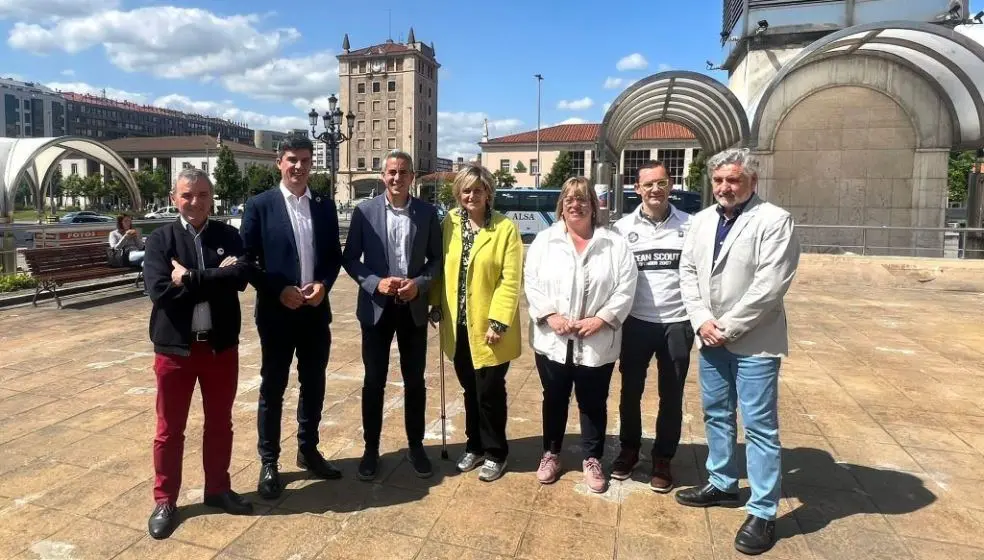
(936, 242)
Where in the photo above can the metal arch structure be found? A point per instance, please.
(951, 62)
(35, 159)
(698, 102)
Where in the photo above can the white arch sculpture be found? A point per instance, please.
(35, 159)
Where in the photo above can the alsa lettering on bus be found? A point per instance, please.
(524, 216)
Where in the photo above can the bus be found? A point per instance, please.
(535, 210)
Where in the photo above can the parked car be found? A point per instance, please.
(166, 212)
(85, 218)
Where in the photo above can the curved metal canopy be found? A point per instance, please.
(700, 103)
(949, 60)
(36, 158)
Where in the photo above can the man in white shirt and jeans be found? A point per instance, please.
(657, 325)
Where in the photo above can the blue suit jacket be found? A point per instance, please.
(365, 257)
(268, 240)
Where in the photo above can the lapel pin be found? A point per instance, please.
(317, 199)
(220, 251)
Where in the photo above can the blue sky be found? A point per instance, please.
(267, 63)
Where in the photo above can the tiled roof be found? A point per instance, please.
(570, 133)
(174, 144)
(437, 177)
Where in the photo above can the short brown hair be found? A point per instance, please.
(651, 164)
(583, 187)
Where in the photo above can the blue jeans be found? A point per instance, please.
(728, 381)
(136, 258)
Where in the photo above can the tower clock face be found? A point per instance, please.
(377, 66)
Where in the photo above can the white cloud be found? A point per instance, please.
(614, 83)
(975, 32)
(663, 67)
(227, 110)
(606, 107)
(299, 79)
(572, 120)
(68, 72)
(52, 9)
(576, 105)
(14, 77)
(167, 41)
(111, 93)
(634, 61)
(459, 133)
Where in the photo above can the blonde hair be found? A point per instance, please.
(468, 176)
(580, 186)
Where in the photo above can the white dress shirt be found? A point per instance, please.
(299, 210)
(201, 318)
(398, 238)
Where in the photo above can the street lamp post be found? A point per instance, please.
(332, 137)
(539, 79)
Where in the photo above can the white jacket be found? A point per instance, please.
(600, 282)
(743, 289)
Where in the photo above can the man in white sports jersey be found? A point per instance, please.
(657, 325)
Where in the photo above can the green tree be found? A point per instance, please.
(94, 189)
(445, 195)
(72, 186)
(504, 179)
(695, 172)
(151, 184)
(320, 183)
(228, 177)
(960, 167)
(562, 170)
(259, 178)
(520, 168)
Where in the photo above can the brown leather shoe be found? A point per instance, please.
(662, 480)
(625, 463)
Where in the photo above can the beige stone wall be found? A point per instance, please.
(857, 142)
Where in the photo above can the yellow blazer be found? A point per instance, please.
(495, 271)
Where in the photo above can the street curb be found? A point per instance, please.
(27, 295)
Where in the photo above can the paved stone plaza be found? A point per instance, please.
(882, 421)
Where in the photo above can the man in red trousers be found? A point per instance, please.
(194, 275)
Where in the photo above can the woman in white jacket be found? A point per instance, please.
(580, 279)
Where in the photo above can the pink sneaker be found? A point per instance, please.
(594, 477)
(549, 469)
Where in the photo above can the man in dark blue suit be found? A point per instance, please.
(292, 236)
(394, 252)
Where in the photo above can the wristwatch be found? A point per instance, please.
(186, 278)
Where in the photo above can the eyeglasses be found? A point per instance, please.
(575, 201)
(661, 183)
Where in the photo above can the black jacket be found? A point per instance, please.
(170, 320)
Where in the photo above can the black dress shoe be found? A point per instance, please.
(230, 502)
(707, 496)
(163, 521)
(369, 465)
(269, 486)
(315, 463)
(756, 535)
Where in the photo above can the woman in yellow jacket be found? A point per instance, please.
(479, 302)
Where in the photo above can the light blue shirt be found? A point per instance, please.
(201, 318)
(398, 238)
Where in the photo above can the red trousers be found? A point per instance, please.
(218, 375)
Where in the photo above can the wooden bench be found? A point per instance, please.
(54, 266)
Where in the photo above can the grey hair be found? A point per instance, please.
(735, 156)
(192, 175)
(400, 154)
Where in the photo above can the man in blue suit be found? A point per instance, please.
(292, 236)
(394, 253)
